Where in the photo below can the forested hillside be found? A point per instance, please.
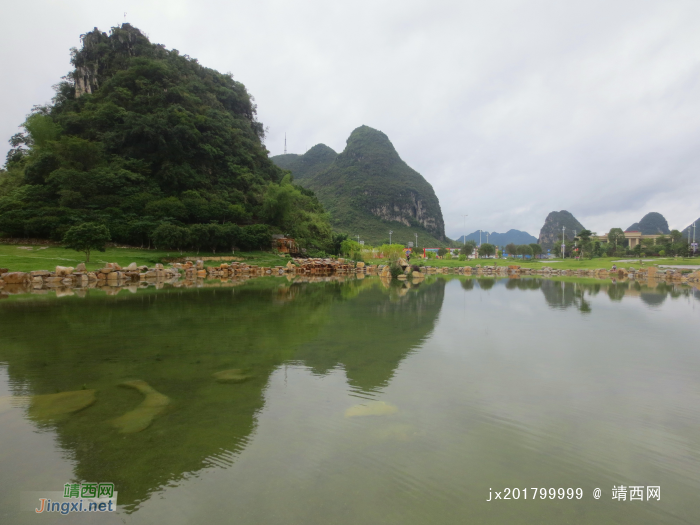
(369, 190)
(156, 147)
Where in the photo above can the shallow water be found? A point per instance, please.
(356, 401)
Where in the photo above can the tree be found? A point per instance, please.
(676, 235)
(616, 237)
(442, 251)
(487, 249)
(87, 237)
(536, 249)
(524, 250)
(468, 248)
(511, 249)
(170, 236)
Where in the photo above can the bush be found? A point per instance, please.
(662, 253)
(448, 257)
(462, 257)
(395, 271)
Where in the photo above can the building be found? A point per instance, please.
(633, 238)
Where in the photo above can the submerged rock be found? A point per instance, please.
(142, 416)
(234, 375)
(372, 408)
(52, 406)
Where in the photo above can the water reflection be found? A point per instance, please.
(175, 341)
(572, 294)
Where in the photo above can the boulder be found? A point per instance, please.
(360, 264)
(106, 270)
(80, 268)
(159, 266)
(16, 278)
(132, 267)
(40, 273)
(64, 271)
(3, 270)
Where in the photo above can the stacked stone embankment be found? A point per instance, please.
(112, 277)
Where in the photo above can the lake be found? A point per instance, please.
(357, 401)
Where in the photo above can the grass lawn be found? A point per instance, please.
(25, 259)
(566, 264)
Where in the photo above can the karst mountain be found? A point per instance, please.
(369, 190)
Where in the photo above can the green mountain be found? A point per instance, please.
(551, 232)
(140, 137)
(651, 224)
(500, 239)
(369, 190)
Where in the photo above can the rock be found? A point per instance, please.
(16, 277)
(80, 268)
(106, 270)
(402, 277)
(372, 408)
(416, 274)
(40, 273)
(3, 270)
(63, 271)
(142, 416)
(132, 267)
(234, 375)
(159, 266)
(201, 273)
(200, 265)
(52, 406)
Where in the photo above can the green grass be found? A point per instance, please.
(567, 264)
(15, 258)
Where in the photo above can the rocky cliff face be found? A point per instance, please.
(551, 232)
(367, 185)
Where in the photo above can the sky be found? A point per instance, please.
(510, 109)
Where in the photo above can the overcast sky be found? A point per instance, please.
(509, 109)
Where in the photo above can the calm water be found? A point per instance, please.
(476, 385)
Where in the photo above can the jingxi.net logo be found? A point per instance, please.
(76, 497)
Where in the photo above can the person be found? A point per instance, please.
(614, 268)
(408, 257)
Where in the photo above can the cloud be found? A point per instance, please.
(509, 109)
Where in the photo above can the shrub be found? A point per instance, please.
(462, 257)
(662, 253)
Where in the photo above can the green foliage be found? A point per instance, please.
(662, 253)
(441, 252)
(468, 248)
(511, 249)
(351, 249)
(157, 142)
(487, 250)
(536, 249)
(87, 237)
(392, 252)
(462, 257)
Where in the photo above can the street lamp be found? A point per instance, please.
(464, 235)
(390, 232)
(563, 246)
(480, 238)
(416, 242)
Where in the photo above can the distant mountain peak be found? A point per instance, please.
(652, 223)
(556, 224)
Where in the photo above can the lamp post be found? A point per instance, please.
(416, 242)
(390, 232)
(464, 230)
(358, 239)
(563, 246)
(480, 238)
